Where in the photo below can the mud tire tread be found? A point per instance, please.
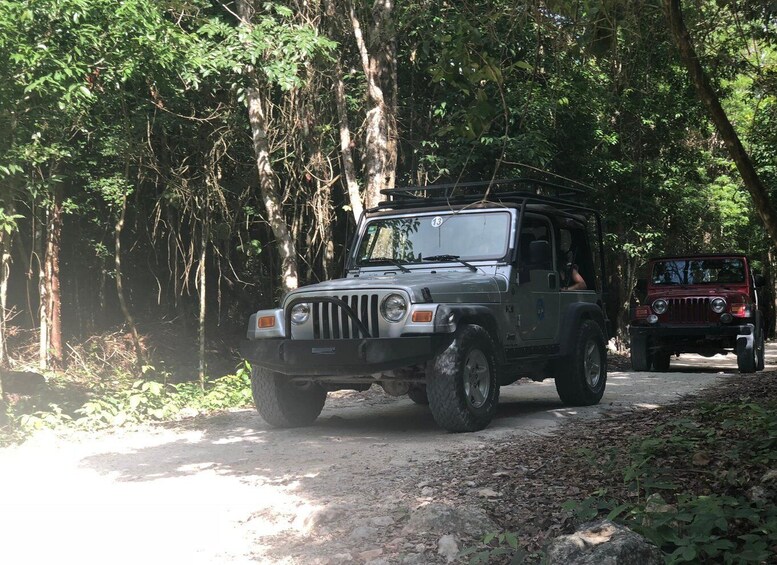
(445, 383)
(571, 384)
(641, 360)
(282, 404)
(418, 395)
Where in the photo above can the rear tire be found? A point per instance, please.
(284, 404)
(746, 357)
(583, 383)
(418, 395)
(461, 382)
(641, 358)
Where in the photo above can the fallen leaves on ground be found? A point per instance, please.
(534, 479)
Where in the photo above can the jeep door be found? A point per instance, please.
(537, 293)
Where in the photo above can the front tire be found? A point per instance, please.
(583, 383)
(661, 361)
(641, 358)
(760, 352)
(461, 382)
(746, 357)
(283, 403)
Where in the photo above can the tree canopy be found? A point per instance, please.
(183, 162)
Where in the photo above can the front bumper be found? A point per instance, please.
(342, 357)
(669, 331)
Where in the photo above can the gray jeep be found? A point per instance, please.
(450, 292)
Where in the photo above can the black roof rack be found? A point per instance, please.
(519, 190)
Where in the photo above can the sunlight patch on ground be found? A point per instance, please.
(228, 440)
(195, 512)
(563, 413)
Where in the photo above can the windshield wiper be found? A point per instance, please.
(450, 258)
(394, 262)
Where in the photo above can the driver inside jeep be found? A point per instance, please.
(571, 279)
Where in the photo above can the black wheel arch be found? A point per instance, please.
(473, 314)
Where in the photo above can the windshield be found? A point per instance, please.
(713, 270)
(468, 236)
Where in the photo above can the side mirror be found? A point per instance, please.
(758, 280)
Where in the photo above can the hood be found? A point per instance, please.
(443, 286)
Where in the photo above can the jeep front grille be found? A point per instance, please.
(688, 310)
(331, 322)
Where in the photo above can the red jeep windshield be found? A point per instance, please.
(713, 270)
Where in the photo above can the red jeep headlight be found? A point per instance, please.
(660, 306)
(718, 305)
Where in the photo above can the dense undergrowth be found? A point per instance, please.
(144, 400)
(102, 388)
(701, 486)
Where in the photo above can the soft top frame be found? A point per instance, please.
(520, 191)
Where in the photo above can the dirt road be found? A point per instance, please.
(227, 489)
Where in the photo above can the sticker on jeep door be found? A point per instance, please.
(436, 221)
(540, 309)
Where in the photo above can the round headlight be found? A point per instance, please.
(393, 307)
(660, 306)
(300, 314)
(718, 305)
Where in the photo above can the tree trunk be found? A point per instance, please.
(346, 154)
(726, 130)
(53, 248)
(376, 65)
(6, 240)
(270, 197)
(139, 353)
(43, 305)
(769, 297)
(202, 279)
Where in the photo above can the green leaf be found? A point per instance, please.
(135, 400)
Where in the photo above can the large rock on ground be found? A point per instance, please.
(603, 543)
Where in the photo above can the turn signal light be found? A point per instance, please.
(642, 311)
(266, 322)
(422, 316)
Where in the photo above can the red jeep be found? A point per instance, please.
(705, 304)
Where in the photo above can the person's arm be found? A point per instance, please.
(577, 282)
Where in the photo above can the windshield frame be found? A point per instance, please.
(355, 263)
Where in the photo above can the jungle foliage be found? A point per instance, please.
(177, 164)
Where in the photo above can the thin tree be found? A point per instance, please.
(709, 98)
(117, 231)
(258, 106)
(52, 278)
(376, 48)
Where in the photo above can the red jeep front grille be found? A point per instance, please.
(688, 310)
